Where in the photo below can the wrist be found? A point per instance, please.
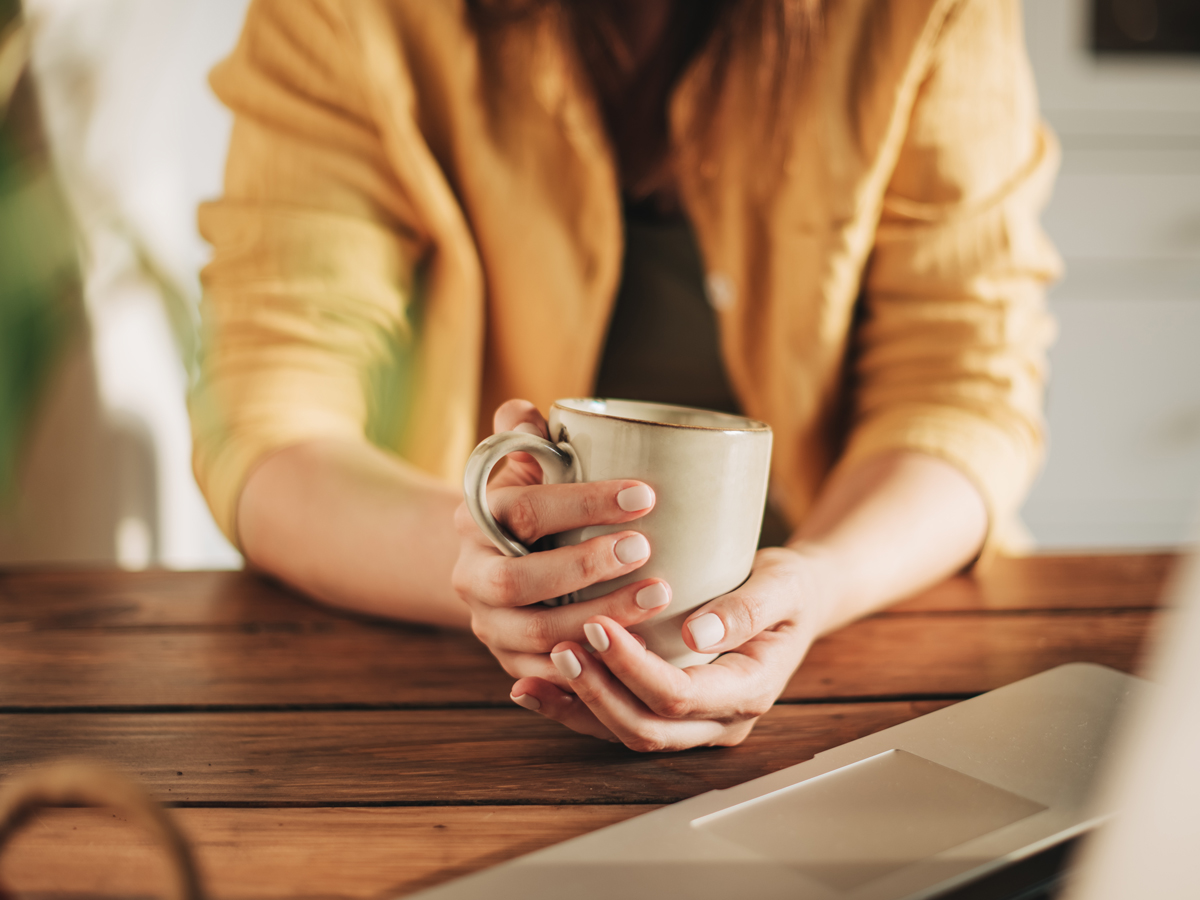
(821, 583)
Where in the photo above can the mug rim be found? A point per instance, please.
(748, 425)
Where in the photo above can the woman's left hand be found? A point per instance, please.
(625, 693)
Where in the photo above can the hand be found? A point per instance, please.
(504, 594)
(625, 693)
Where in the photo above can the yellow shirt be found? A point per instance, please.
(416, 227)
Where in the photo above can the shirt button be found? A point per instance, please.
(719, 287)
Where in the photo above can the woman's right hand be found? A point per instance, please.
(505, 594)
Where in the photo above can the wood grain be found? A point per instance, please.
(264, 854)
(914, 656)
(348, 664)
(73, 599)
(55, 599)
(1128, 581)
(885, 656)
(418, 757)
(312, 753)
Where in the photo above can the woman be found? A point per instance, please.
(426, 211)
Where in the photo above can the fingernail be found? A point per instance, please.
(567, 665)
(526, 700)
(707, 630)
(635, 498)
(641, 640)
(596, 636)
(654, 596)
(632, 548)
(529, 428)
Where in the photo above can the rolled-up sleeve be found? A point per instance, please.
(314, 249)
(950, 356)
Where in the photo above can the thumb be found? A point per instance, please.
(519, 415)
(512, 414)
(727, 622)
(774, 592)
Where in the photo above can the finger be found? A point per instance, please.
(519, 415)
(636, 726)
(512, 414)
(530, 665)
(536, 629)
(487, 577)
(541, 696)
(736, 687)
(532, 512)
(770, 598)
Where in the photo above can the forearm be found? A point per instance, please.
(889, 527)
(354, 527)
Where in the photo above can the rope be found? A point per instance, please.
(81, 783)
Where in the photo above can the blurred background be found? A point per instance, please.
(96, 356)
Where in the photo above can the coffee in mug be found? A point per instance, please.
(709, 474)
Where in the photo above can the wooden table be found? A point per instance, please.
(310, 753)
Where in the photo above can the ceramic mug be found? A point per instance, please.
(709, 474)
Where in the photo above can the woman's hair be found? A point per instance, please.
(781, 35)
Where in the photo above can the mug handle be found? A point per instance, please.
(559, 465)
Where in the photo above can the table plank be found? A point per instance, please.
(55, 599)
(73, 599)
(916, 656)
(1125, 581)
(264, 854)
(348, 664)
(354, 665)
(438, 757)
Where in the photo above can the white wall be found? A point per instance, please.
(138, 140)
(1124, 401)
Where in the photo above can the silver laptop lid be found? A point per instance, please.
(909, 812)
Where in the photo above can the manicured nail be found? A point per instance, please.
(596, 636)
(526, 700)
(654, 596)
(567, 665)
(632, 549)
(641, 640)
(635, 498)
(529, 428)
(707, 630)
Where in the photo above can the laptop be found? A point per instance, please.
(982, 799)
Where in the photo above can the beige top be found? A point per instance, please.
(415, 228)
